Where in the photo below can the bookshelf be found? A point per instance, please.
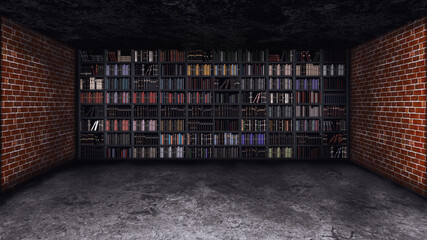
(213, 104)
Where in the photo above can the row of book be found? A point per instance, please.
(307, 152)
(144, 97)
(117, 125)
(117, 56)
(200, 125)
(307, 84)
(307, 125)
(172, 97)
(280, 111)
(117, 70)
(309, 139)
(253, 97)
(226, 70)
(333, 70)
(171, 152)
(172, 83)
(308, 55)
(92, 125)
(92, 97)
(172, 139)
(144, 152)
(307, 111)
(200, 97)
(199, 139)
(220, 111)
(199, 69)
(281, 139)
(280, 97)
(280, 152)
(338, 152)
(145, 125)
(198, 55)
(207, 152)
(91, 69)
(253, 83)
(199, 152)
(307, 97)
(280, 56)
(226, 97)
(146, 139)
(207, 125)
(200, 111)
(119, 111)
(226, 139)
(226, 125)
(172, 111)
(118, 152)
(172, 56)
(227, 111)
(253, 69)
(146, 83)
(118, 97)
(117, 83)
(334, 125)
(334, 111)
(94, 139)
(254, 152)
(92, 111)
(253, 111)
(280, 84)
(307, 69)
(252, 139)
(118, 139)
(145, 55)
(147, 69)
(200, 83)
(253, 56)
(334, 83)
(89, 152)
(173, 69)
(146, 111)
(89, 56)
(280, 69)
(172, 125)
(253, 125)
(335, 97)
(335, 139)
(280, 125)
(91, 83)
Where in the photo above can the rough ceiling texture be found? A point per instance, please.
(213, 23)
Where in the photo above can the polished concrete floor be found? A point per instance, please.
(240, 200)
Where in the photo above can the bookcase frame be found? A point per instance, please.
(240, 103)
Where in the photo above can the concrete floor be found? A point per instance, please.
(244, 200)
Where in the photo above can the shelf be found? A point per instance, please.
(212, 107)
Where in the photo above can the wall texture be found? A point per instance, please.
(37, 103)
(388, 105)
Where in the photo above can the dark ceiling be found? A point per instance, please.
(213, 23)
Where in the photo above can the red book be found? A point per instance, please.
(115, 125)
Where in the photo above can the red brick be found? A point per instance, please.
(25, 83)
(389, 103)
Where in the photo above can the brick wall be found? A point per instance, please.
(388, 105)
(37, 103)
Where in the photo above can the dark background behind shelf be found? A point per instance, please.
(287, 24)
